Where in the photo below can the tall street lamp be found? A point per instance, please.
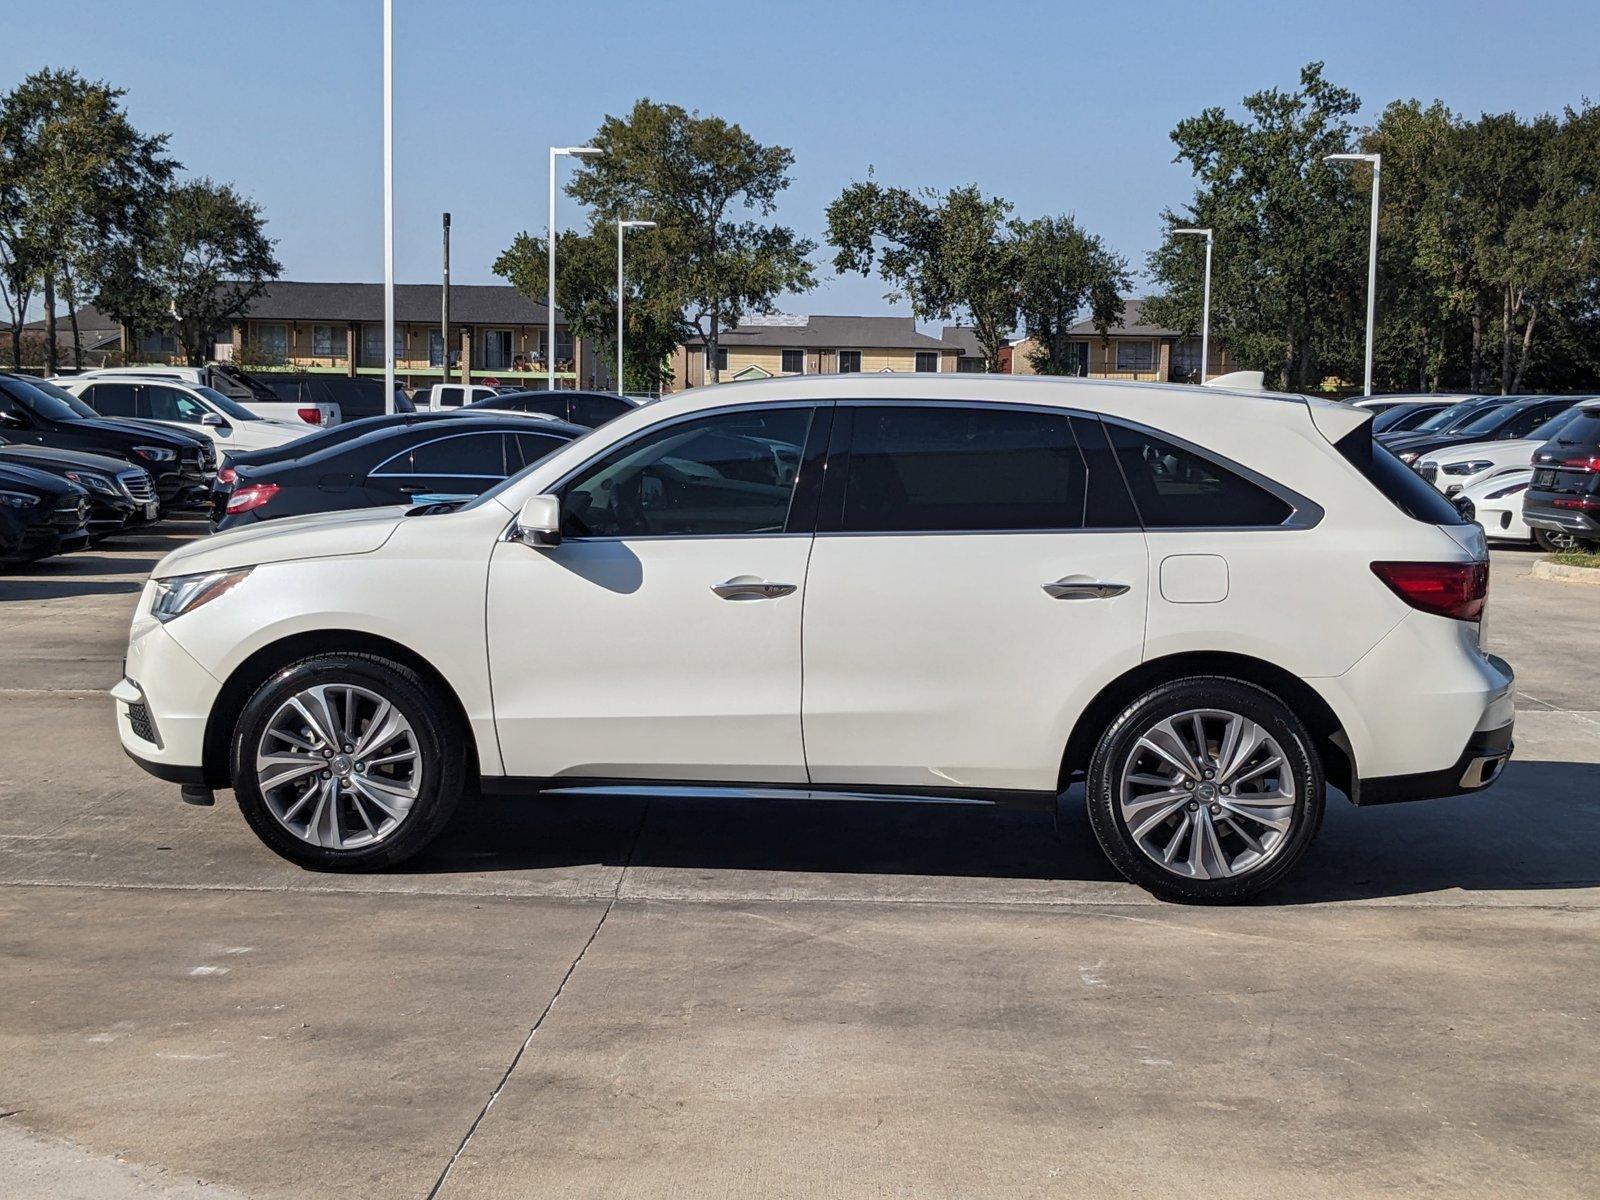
(388, 206)
(550, 295)
(1372, 247)
(1205, 303)
(621, 227)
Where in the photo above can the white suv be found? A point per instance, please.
(1204, 605)
(193, 408)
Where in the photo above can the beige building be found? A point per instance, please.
(1133, 350)
(763, 347)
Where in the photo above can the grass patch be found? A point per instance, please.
(1577, 558)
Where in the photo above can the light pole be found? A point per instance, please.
(622, 226)
(1372, 248)
(388, 206)
(550, 235)
(1205, 304)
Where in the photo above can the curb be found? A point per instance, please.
(1545, 569)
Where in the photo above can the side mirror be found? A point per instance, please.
(211, 419)
(539, 522)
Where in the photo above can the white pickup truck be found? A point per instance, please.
(231, 382)
(456, 395)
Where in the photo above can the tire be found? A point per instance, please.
(1552, 542)
(368, 809)
(1228, 835)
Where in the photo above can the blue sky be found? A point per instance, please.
(1058, 107)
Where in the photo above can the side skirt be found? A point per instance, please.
(512, 785)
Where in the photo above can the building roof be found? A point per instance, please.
(1132, 324)
(417, 303)
(90, 319)
(964, 338)
(827, 333)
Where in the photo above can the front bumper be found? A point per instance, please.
(163, 703)
(1480, 764)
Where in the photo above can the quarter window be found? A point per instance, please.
(963, 469)
(726, 474)
(470, 455)
(1176, 488)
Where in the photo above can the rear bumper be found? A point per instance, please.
(1480, 764)
(1584, 523)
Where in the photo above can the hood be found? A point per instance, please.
(1504, 450)
(1521, 477)
(75, 459)
(156, 435)
(266, 435)
(33, 480)
(320, 535)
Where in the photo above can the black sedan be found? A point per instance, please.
(121, 495)
(1502, 418)
(449, 457)
(40, 514)
(37, 412)
(589, 409)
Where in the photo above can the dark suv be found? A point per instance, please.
(40, 514)
(34, 411)
(121, 495)
(1562, 505)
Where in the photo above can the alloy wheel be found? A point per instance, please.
(339, 766)
(1207, 794)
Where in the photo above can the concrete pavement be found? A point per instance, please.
(707, 998)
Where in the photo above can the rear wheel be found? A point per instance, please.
(347, 762)
(1205, 790)
(1554, 542)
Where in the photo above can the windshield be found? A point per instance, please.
(46, 400)
(1556, 424)
(1397, 417)
(1487, 422)
(227, 404)
(1447, 419)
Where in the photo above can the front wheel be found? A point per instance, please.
(347, 762)
(1205, 790)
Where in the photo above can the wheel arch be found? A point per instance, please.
(261, 665)
(1327, 732)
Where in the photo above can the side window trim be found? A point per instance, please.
(378, 472)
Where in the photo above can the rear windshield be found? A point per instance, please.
(1583, 429)
(1404, 488)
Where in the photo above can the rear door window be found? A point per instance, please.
(467, 455)
(111, 399)
(596, 410)
(1178, 488)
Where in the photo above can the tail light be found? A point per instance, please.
(251, 496)
(1590, 462)
(1455, 590)
(228, 476)
(311, 416)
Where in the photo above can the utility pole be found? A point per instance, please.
(444, 310)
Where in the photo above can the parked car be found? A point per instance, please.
(1205, 612)
(40, 514)
(121, 495)
(231, 382)
(1405, 417)
(1459, 466)
(352, 398)
(1497, 505)
(1562, 506)
(457, 395)
(37, 412)
(194, 408)
(1383, 404)
(1504, 418)
(448, 459)
(589, 409)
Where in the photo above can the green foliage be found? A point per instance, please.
(1065, 271)
(705, 182)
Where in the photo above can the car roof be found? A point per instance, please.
(503, 423)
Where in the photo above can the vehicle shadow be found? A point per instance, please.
(1536, 830)
(85, 572)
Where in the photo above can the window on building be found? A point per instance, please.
(327, 341)
(435, 348)
(372, 344)
(794, 362)
(1176, 488)
(496, 350)
(849, 361)
(1186, 359)
(927, 361)
(722, 358)
(1135, 355)
(273, 342)
(969, 366)
(158, 344)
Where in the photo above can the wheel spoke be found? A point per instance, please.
(1163, 741)
(386, 725)
(318, 717)
(1177, 838)
(361, 811)
(275, 770)
(1246, 742)
(1274, 811)
(1258, 770)
(392, 801)
(1153, 821)
(398, 756)
(323, 827)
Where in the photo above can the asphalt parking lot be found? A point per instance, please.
(628, 999)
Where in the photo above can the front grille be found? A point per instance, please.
(71, 513)
(1429, 471)
(190, 457)
(208, 457)
(138, 484)
(139, 721)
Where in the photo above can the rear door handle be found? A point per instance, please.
(1076, 587)
(748, 587)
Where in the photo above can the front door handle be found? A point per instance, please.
(748, 587)
(1078, 587)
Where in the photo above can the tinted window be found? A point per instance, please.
(732, 473)
(1582, 430)
(597, 410)
(1524, 423)
(920, 469)
(111, 399)
(480, 454)
(549, 403)
(1402, 486)
(45, 399)
(529, 448)
(1176, 488)
(1457, 414)
(1401, 417)
(169, 404)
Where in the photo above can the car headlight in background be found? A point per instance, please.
(1467, 468)
(95, 483)
(179, 594)
(18, 500)
(155, 453)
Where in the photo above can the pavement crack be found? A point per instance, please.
(472, 1129)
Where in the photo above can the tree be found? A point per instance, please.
(697, 178)
(586, 291)
(207, 256)
(1288, 278)
(1065, 271)
(76, 178)
(949, 255)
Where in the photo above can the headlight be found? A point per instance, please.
(18, 500)
(1408, 456)
(95, 483)
(185, 593)
(1467, 468)
(155, 453)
